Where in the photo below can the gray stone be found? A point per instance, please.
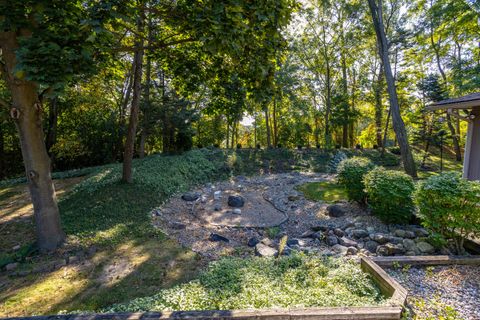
(319, 228)
(370, 229)
(409, 234)
(339, 232)
(394, 249)
(382, 251)
(380, 238)
(396, 240)
(236, 201)
(420, 232)
(237, 211)
(11, 266)
(332, 240)
(352, 251)
(16, 248)
(293, 242)
(307, 234)
(73, 259)
(217, 207)
(371, 246)
(252, 242)
(190, 196)
(263, 250)
(360, 233)
(338, 248)
(214, 237)
(268, 242)
(344, 241)
(409, 245)
(399, 233)
(425, 247)
(336, 211)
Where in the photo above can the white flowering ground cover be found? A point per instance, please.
(259, 283)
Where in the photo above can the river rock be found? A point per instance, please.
(332, 240)
(399, 233)
(352, 251)
(425, 247)
(190, 196)
(344, 241)
(338, 248)
(263, 250)
(339, 232)
(409, 245)
(236, 201)
(359, 233)
(380, 238)
(252, 242)
(336, 211)
(394, 249)
(217, 238)
(371, 246)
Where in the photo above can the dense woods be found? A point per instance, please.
(93, 82)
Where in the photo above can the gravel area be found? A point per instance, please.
(441, 292)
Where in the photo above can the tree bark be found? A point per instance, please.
(275, 128)
(52, 125)
(379, 107)
(2, 152)
(27, 114)
(398, 124)
(267, 124)
(137, 89)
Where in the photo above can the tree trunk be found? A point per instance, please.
(2, 152)
(27, 116)
(275, 131)
(52, 125)
(346, 106)
(267, 124)
(137, 88)
(379, 107)
(146, 105)
(398, 124)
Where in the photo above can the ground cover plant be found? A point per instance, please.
(289, 281)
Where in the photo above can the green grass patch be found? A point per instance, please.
(287, 282)
(323, 191)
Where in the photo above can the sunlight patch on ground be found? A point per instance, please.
(323, 191)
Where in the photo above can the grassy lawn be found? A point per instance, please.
(323, 191)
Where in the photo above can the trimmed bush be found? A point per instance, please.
(449, 207)
(350, 175)
(390, 195)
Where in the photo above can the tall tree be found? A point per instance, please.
(398, 124)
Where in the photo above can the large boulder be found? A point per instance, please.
(236, 201)
(338, 248)
(394, 249)
(380, 238)
(371, 246)
(332, 240)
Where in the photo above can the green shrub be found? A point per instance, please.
(449, 207)
(390, 194)
(350, 175)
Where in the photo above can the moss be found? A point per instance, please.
(323, 191)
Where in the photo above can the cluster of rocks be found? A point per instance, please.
(355, 238)
(19, 269)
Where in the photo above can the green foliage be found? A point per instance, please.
(448, 206)
(390, 195)
(350, 175)
(296, 281)
(323, 191)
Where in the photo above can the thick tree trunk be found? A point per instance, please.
(2, 152)
(398, 124)
(275, 128)
(26, 112)
(137, 89)
(346, 106)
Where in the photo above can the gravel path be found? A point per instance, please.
(441, 292)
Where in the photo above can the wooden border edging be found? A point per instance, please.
(355, 313)
(426, 260)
